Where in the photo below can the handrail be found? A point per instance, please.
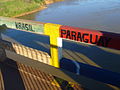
(94, 37)
(56, 31)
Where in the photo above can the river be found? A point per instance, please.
(93, 14)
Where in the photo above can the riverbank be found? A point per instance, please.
(30, 12)
(9, 8)
(17, 8)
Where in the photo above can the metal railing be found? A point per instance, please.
(56, 32)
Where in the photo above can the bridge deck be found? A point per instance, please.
(16, 76)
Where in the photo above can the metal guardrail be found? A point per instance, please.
(40, 64)
(55, 31)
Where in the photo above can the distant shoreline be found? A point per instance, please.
(30, 12)
(47, 2)
(18, 8)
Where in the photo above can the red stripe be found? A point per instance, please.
(100, 38)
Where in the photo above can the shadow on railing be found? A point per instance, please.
(11, 78)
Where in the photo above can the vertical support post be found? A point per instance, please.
(52, 30)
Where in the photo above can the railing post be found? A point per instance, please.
(52, 30)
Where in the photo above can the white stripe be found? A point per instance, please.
(59, 43)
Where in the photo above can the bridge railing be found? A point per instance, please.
(84, 36)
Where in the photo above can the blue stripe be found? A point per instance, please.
(93, 72)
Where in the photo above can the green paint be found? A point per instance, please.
(9, 8)
(22, 24)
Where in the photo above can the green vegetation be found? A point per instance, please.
(11, 8)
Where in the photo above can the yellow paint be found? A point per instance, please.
(52, 30)
(55, 83)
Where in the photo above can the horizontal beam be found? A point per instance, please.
(20, 24)
(94, 37)
(13, 50)
(61, 73)
(95, 73)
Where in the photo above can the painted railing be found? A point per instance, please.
(85, 36)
